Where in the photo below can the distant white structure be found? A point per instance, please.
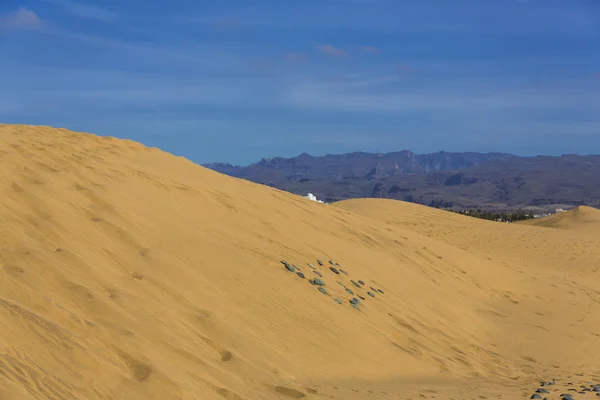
(312, 197)
(544, 214)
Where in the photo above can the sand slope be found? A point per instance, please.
(129, 273)
(582, 219)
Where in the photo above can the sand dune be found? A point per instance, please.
(129, 273)
(582, 219)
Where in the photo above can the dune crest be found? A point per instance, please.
(127, 272)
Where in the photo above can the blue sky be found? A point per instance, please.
(238, 80)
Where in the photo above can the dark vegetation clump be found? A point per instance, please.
(519, 215)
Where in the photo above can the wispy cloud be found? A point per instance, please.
(21, 19)
(207, 57)
(386, 95)
(402, 68)
(83, 10)
(332, 51)
(86, 90)
(464, 71)
(262, 65)
(368, 49)
(224, 23)
(296, 57)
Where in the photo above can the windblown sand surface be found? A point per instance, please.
(582, 219)
(129, 273)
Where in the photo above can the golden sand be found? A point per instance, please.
(129, 273)
(582, 219)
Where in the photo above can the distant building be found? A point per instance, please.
(312, 197)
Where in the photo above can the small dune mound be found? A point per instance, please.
(581, 219)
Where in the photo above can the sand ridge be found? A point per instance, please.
(127, 272)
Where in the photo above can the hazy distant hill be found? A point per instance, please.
(458, 180)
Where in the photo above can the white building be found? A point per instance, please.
(312, 197)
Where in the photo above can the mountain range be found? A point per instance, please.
(492, 181)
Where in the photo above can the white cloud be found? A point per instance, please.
(21, 19)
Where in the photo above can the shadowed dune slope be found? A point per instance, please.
(129, 273)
